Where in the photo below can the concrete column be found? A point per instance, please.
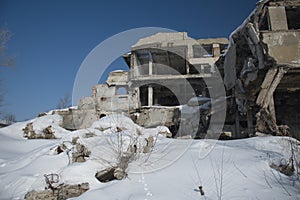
(190, 52)
(132, 60)
(272, 109)
(150, 67)
(137, 98)
(150, 95)
(277, 18)
(134, 66)
(187, 65)
(216, 50)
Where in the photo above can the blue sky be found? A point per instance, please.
(52, 38)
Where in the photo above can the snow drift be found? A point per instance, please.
(173, 169)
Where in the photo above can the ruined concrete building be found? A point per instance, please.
(165, 71)
(160, 63)
(260, 67)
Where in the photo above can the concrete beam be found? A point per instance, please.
(172, 77)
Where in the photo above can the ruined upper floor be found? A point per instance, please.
(174, 54)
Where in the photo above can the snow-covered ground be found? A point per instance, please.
(174, 169)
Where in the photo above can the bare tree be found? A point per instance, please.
(64, 102)
(10, 118)
(5, 36)
(1, 97)
(5, 60)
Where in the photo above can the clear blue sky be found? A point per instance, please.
(51, 38)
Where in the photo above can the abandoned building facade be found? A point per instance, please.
(260, 66)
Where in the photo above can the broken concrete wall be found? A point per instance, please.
(158, 116)
(114, 96)
(74, 119)
(283, 46)
(118, 77)
(263, 51)
(87, 103)
(106, 98)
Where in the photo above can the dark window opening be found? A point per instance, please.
(195, 69)
(207, 69)
(288, 110)
(162, 96)
(201, 69)
(264, 24)
(144, 95)
(202, 51)
(164, 62)
(199, 86)
(209, 50)
(293, 17)
(223, 48)
(102, 115)
(168, 63)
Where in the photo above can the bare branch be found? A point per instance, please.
(64, 102)
(5, 36)
(5, 60)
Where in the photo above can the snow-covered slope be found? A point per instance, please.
(174, 169)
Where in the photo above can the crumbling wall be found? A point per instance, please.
(114, 96)
(283, 46)
(262, 51)
(74, 119)
(157, 116)
(105, 100)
